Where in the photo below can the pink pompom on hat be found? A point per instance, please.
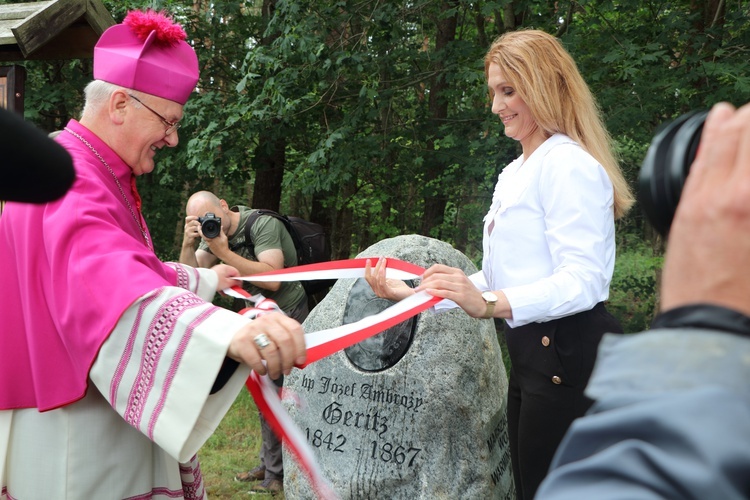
(148, 53)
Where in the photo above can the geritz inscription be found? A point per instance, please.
(333, 414)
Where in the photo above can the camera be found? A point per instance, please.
(210, 225)
(666, 167)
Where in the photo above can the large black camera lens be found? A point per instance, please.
(666, 167)
(210, 225)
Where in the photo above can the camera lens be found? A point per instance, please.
(211, 228)
(666, 167)
(210, 225)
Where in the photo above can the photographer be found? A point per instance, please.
(671, 417)
(271, 248)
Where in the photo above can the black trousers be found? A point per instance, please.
(550, 365)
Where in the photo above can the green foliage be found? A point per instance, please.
(54, 91)
(648, 62)
(381, 107)
(633, 290)
(346, 87)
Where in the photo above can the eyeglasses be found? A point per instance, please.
(171, 126)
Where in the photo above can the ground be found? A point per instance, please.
(233, 448)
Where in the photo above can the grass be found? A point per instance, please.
(233, 448)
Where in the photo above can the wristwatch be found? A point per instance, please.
(490, 299)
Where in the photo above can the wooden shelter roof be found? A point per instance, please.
(53, 29)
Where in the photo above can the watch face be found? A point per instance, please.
(489, 297)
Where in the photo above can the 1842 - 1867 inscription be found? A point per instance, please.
(352, 412)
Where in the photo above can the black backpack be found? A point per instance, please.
(309, 239)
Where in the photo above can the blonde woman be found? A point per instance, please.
(548, 242)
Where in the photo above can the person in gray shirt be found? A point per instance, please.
(671, 417)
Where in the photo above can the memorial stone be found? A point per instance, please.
(416, 412)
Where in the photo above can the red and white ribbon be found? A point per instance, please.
(326, 342)
(335, 269)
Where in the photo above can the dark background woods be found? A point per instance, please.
(373, 118)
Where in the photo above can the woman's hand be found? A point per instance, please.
(285, 345)
(452, 283)
(385, 288)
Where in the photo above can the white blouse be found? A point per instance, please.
(549, 236)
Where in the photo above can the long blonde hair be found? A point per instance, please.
(547, 79)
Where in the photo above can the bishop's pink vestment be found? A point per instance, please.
(107, 355)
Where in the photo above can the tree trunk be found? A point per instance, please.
(269, 162)
(341, 233)
(270, 155)
(435, 199)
